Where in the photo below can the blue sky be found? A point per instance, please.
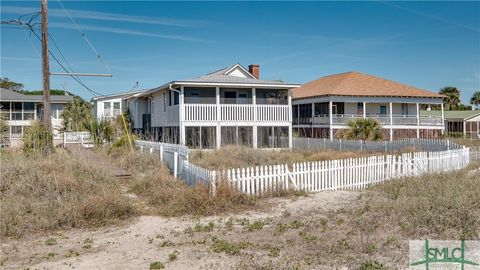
(425, 44)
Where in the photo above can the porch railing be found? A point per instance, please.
(237, 113)
(343, 119)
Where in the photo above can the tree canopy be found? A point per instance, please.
(54, 92)
(77, 115)
(452, 100)
(5, 83)
(475, 100)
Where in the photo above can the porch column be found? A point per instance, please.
(330, 117)
(290, 130)
(312, 121)
(364, 109)
(391, 121)
(181, 117)
(219, 118)
(418, 120)
(464, 129)
(443, 119)
(255, 127)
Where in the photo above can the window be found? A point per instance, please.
(28, 106)
(383, 110)
(360, 108)
(116, 105)
(321, 108)
(107, 106)
(404, 109)
(176, 97)
(169, 98)
(17, 106)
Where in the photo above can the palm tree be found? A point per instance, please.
(475, 100)
(101, 131)
(77, 115)
(367, 129)
(452, 100)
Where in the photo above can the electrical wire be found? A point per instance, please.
(95, 51)
(31, 26)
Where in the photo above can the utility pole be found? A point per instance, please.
(45, 67)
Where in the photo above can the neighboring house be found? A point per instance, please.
(459, 123)
(19, 110)
(110, 106)
(228, 106)
(322, 108)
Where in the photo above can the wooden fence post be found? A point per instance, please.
(213, 183)
(64, 139)
(161, 153)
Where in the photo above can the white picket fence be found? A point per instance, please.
(427, 145)
(175, 157)
(352, 173)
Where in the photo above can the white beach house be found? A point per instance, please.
(228, 106)
(110, 106)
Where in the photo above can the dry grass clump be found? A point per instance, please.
(440, 206)
(466, 142)
(39, 193)
(168, 196)
(239, 157)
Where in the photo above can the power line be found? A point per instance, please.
(31, 26)
(95, 51)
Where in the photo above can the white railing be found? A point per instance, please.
(343, 119)
(237, 113)
(352, 173)
(275, 113)
(175, 157)
(77, 138)
(200, 112)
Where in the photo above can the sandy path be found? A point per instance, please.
(151, 238)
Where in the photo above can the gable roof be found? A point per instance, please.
(117, 95)
(224, 75)
(9, 95)
(359, 84)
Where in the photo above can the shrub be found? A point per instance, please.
(101, 131)
(372, 265)
(38, 139)
(156, 265)
(367, 129)
(171, 197)
(57, 191)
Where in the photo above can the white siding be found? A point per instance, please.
(99, 106)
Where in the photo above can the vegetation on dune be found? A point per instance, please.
(167, 196)
(365, 129)
(4, 131)
(77, 115)
(229, 157)
(37, 139)
(56, 191)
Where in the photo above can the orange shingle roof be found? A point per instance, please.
(358, 84)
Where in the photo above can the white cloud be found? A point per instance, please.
(96, 15)
(122, 31)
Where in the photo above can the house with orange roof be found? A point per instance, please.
(323, 107)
